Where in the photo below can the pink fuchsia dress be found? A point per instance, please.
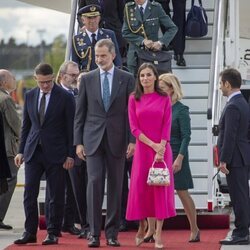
(151, 115)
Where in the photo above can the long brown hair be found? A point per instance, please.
(138, 87)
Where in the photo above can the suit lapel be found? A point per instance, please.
(35, 104)
(115, 86)
(52, 102)
(97, 86)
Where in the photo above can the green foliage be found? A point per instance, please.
(56, 55)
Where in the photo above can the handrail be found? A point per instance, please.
(217, 61)
(71, 29)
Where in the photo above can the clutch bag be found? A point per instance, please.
(158, 176)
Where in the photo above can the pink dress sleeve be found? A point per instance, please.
(167, 120)
(133, 122)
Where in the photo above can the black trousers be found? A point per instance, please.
(237, 181)
(34, 170)
(78, 176)
(179, 18)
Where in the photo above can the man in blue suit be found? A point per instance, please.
(46, 146)
(83, 43)
(234, 153)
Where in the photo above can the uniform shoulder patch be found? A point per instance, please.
(155, 3)
(132, 3)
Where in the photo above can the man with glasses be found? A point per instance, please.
(46, 146)
(83, 43)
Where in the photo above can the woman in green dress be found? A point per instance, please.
(180, 138)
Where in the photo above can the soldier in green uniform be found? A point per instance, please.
(142, 21)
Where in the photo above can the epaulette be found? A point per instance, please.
(130, 3)
(155, 3)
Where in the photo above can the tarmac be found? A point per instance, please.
(15, 217)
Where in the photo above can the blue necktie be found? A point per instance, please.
(106, 92)
(141, 11)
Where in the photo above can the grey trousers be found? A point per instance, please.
(6, 197)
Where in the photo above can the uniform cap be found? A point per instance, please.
(90, 11)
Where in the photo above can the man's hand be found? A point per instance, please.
(130, 150)
(148, 43)
(80, 152)
(156, 46)
(19, 160)
(69, 163)
(223, 168)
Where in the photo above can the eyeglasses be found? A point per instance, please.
(72, 75)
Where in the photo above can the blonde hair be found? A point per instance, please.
(171, 79)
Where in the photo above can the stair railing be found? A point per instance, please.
(214, 102)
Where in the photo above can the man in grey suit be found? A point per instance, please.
(100, 135)
(12, 125)
(234, 154)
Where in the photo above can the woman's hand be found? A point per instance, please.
(177, 163)
(159, 157)
(159, 148)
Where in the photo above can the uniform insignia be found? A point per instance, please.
(92, 8)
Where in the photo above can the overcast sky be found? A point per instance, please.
(23, 22)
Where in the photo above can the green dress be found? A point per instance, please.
(180, 138)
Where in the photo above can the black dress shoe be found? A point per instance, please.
(235, 240)
(113, 242)
(50, 239)
(25, 239)
(94, 241)
(4, 226)
(85, 234)
(180, 61)
(58, 234)
(72, 230)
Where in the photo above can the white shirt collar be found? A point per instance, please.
(232, 95)
(143, 5)
(90, 33)
(111, 71)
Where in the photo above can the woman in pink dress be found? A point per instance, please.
(150, 122)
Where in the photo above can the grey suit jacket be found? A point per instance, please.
(11, 123)
(91, 119)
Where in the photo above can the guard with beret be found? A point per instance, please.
(83, 43)
(142, 21)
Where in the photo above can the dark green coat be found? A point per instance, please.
(154, 17)
(180, 138)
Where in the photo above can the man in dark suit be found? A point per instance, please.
(46, 146)
(75, 194)
(12, 126)
(83, 43)
(234, 153)
(100, 135)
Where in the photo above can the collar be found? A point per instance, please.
(111, 71)
(90, 33)
(64, 87)
(143, 5)
(232, 95)
(5, 91)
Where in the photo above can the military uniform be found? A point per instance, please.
(135, 28)
(83, 52)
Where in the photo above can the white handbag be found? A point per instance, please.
(158, 176)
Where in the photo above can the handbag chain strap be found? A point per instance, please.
(161, 161)
(141, 28)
